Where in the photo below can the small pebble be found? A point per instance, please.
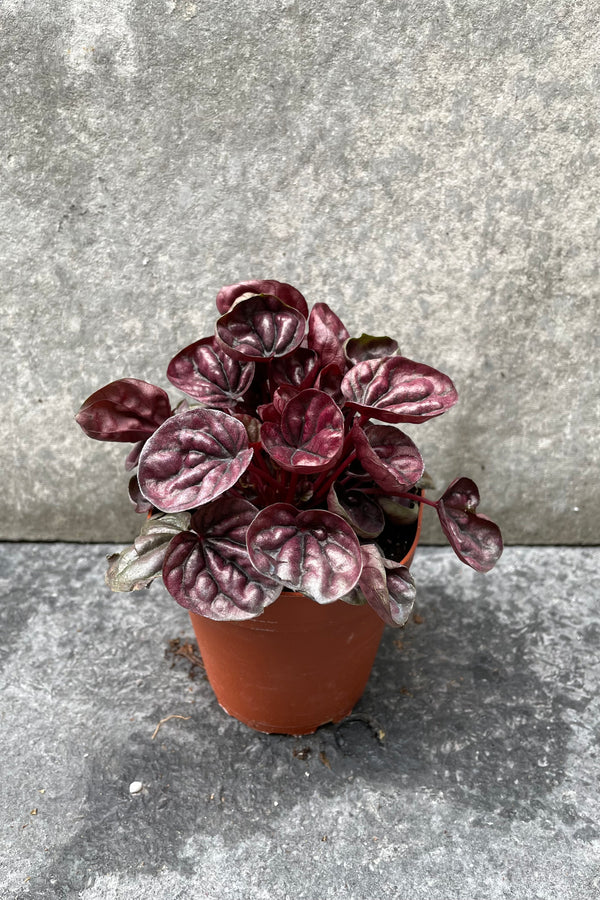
(135, 787)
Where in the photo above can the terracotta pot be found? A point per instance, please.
(297, 666)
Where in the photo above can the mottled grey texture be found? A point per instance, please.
(469, 769)
(430, 168)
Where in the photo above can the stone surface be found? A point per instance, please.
(429, 168)
(470, 767)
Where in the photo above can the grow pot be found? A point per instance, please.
(298, 665)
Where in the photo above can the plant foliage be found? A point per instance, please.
(286, 469)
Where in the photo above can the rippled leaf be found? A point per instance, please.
(192, 459)
(327, 335)
(208, 570)
(127, 410)
(313, 551)
(137, 566)
(232, 293)
(388, 587)
(205, 372)
(310, 434)
(299, 369)
(389, 456)
(369, 347)
(271, 412)
(329, 380)
(395, 389)
(260, 328)
(475, 539)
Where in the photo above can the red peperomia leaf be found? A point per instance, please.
(260, 328)
(474, 538)
(133, 456)
(310, 434)
(231, 293)
(192, 459)
(299, 369)
(389, 456)
(209, 375)
(314, 551)
(330, 381)
(127, 410)
(387, 586)
(271, 412)
(282, 397)
(327, 335)
(395, 389)
(369, 347)
(208, 570)
(362, 512)
(137, 498)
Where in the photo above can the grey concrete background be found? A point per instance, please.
(429, 168)
(469, 769)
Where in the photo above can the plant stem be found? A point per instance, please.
(323, 483)
(417, 498)
(348, 441)
(258, 458)
(414, 498)
(291, 492)
(263, 476)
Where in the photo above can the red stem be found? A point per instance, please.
(414, 498)
(291, 492)
(418, 498)
(346, 446)
(258, 457)
(263, 476)
(323, 483)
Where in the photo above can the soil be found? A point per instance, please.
(396, 540)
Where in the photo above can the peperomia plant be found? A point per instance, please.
(287, 470)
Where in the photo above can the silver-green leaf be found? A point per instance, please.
(137, 566)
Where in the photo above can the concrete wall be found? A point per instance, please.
(429, 168)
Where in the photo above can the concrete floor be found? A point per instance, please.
(469, 769)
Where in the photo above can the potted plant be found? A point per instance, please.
(282, 502)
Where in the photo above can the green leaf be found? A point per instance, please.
(398, 511)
